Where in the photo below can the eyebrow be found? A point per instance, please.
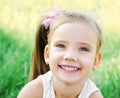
(56, 41)
(82, 43)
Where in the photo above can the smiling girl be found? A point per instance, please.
(67, 48)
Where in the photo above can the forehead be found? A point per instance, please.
(75, 32)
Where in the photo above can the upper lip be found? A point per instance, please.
(70, 65)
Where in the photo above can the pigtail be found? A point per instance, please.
(38, 65)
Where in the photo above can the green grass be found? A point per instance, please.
(107, 76)
(14, 64)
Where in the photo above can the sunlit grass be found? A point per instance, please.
(25, 16)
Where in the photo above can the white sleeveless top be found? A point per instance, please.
(48, 90)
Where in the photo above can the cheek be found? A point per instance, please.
(87, 61)
(54, 56)
(53, 53)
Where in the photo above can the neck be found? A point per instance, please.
(65, 90)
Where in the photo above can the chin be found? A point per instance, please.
(70, 80)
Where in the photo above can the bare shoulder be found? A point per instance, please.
(33, 89)
(96, 94)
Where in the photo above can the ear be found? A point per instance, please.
(97, 60)
(46, 54)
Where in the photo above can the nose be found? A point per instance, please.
(70, 55)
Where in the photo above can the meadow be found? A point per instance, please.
(18, 21)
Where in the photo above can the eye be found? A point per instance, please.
(84, 49)
(60, 46)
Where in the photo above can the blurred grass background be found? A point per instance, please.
(18, 21)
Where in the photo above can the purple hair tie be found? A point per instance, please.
(52, 15)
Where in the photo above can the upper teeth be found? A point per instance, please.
(69, 68)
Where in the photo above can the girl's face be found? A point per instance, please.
(72, 52)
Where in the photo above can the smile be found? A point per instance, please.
(69, 68)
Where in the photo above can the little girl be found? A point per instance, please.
(67, 48)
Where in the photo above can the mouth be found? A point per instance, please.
(69, 68)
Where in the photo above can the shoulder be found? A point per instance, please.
(93, 90)
(33, 89)
(96, 94)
